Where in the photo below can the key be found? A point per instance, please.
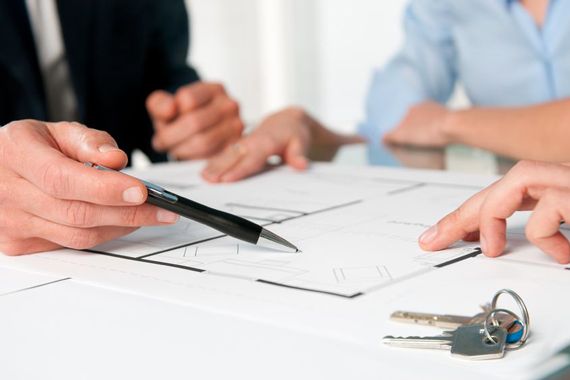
(467, 342)
(449, 321)
(443, 321)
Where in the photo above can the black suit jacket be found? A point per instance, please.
(118, 51)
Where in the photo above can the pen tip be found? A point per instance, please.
(270, 240)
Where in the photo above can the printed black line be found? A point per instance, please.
(475, 253)
(406, 189)
(35, 286)
(191, 269)
(182, 246)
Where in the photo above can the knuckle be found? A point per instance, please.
(184, 94)
(233, 107)
(153, 99)
(103, 134)
(531, 233)
(192, 121)
(218, 88)
(79, 213)
(53, 180)
(523, 169)
(76, 124)
(267, 143)
(82, 239)
(130, 216)
(556, 197)
(238, 127)
(5, 192)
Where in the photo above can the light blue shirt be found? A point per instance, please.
(493, 47)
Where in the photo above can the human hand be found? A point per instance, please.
(286, 133)
(49, 199)
(424, 125)
(541, 187)
(198, 121)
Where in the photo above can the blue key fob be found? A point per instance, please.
(515, 332)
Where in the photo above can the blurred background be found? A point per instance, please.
(316, 53)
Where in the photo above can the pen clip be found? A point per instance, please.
(159, 192)
(153, 190)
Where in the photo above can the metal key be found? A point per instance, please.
(443, 321)
(467, 342)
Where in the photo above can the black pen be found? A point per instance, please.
(229, 224)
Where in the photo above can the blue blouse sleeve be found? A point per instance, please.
(424, 69)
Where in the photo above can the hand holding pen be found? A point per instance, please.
(49, 199)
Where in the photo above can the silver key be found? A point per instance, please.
(468, 342)
(444, 321)
(448, 321)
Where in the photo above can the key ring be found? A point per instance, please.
(522, 306)
(525, 322)
(495, 323)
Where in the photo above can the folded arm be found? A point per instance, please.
(539, 132)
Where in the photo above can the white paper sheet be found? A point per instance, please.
(357, 229)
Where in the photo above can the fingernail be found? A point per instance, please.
(107, 148)
(133, 195)
(483, 242)
(164, 216)
(428, 235)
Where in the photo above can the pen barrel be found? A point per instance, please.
(229, 224)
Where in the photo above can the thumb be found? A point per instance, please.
(296, 154)
(161, 106)
(87, 145)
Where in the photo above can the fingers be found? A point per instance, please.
(193, 96)
(529, 185)
(543, 227)
(525, 180)
(26, 197)
(223, 162)
(162, 108)
(251, 163)
(241, 160)
(49, 156)
(460, 224)
(84, 144)
(209, 142)
(189, 125)
(296, 154)
(41, 234)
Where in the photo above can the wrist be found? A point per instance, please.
(451, 126)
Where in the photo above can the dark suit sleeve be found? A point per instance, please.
(169, 42)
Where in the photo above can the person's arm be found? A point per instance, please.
(541, 187)
(192, 119)
(423, 70)
(169, 41)
(292, 134)
(539, 132)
